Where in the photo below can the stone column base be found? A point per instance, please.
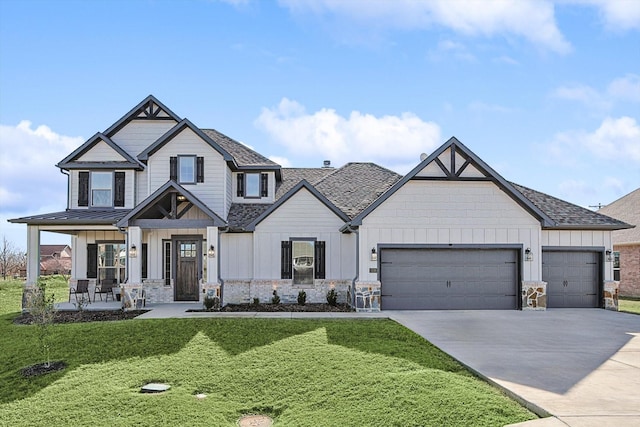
(210, 291)
(367, 296)
(611, 290)
(534, 295)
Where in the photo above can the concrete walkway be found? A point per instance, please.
(580, 365)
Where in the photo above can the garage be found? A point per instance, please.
(572, 278)
(449, 278)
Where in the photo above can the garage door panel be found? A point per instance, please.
(427, 279)
(572, 278)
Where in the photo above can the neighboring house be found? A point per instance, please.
(626, 243)
(55, 259)
(158, 203)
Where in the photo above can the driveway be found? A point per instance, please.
(580, 365)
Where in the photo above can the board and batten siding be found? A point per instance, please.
(79, 245)
(154, 238)
(303, 216)
(443, 212)
(236, 256)
(581, 239)
(212, 191)
(137, 135)
(101, 152)
(129, 195)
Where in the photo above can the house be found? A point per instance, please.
(158, 204)
(626, 243)
(55, 259)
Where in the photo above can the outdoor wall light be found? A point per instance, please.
(211, 252)
(374, 254)
(528, 256)
(609, 255)
(133, 251)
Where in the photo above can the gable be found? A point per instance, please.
(101, 152)
(149, 109)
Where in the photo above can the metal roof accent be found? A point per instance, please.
(70, 162)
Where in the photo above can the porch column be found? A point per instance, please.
(33, 255)
(134, 238)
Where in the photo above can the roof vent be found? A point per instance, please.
(327, 164)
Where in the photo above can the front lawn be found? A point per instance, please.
(299, 372)
(629, 305)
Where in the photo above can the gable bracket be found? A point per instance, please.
(163, 211)
(184, 210)
(443, 167)
(463, 167)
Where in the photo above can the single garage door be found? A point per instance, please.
(572, 278)
(448, 279)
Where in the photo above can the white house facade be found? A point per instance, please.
(156, 204)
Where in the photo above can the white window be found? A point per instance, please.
(252, 185)
(187, 169)
(111, 262)
(303, 256)
(101, 189)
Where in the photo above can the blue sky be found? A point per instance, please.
(546, 92)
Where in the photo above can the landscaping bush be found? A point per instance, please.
(302, 297)
(332, 297)
(276, 298)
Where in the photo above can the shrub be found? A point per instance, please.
(256, 301)
(43, 311)
(332, 297)
(302, 297)
(211, 302)
(276, 298)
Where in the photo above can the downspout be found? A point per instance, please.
(350, 229)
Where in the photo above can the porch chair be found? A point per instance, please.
(105, 287)
(82, 287)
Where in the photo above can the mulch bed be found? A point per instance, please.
(82, 316)
(282, 308)
(42, 368)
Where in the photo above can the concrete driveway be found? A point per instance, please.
(580, 365)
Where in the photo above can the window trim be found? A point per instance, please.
(91, 189)
(118, 269)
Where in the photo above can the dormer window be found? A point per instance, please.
(252, 185)
(101, 189)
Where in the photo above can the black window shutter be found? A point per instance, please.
(319, 260)
(285, 260)
(264, 185)
(118, 194)
(200, 169)
(83, 189)
(173, 168)
(92, 261)
(240, 191)
(144, 260)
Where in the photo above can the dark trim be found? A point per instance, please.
(264, 185)
(144, 258)
(68, 162)
(92, 260)
(597, 227)
(320, 259)
(172, 223)
(83, 188)
(446, 178)
(102, 165)
(240, 185)
(504, 185)
(574, 248)
(173, 168)
(286, 259)
(135, 112)
(175, 131)
(302, 184)
(199, 169)
(119, 189)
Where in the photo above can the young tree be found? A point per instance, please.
(12, 259)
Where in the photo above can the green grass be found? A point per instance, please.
(629, 305)
(299, 372)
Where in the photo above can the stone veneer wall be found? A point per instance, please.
(611, 290)
(534, 295)
(629, 270)
(366, 296)
(244, 291)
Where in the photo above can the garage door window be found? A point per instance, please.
(302, 260)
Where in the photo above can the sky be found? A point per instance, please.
(546, 92)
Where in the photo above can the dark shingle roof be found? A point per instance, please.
(566, 214)
(355, 186)
(627, 209)
(242, 214)
(292, 176)
(75, 216)
(243, 155)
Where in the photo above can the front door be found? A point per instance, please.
(187, 267)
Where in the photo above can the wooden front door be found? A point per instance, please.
(187, 267)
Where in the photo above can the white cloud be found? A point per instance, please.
(29, 180)
(627, 87)
(533, 20)
(282, 161)
(359, 137)
(615, 139)
(582, 93)
(617, 15)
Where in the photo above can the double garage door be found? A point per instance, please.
(482, 279)
(449, 279)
